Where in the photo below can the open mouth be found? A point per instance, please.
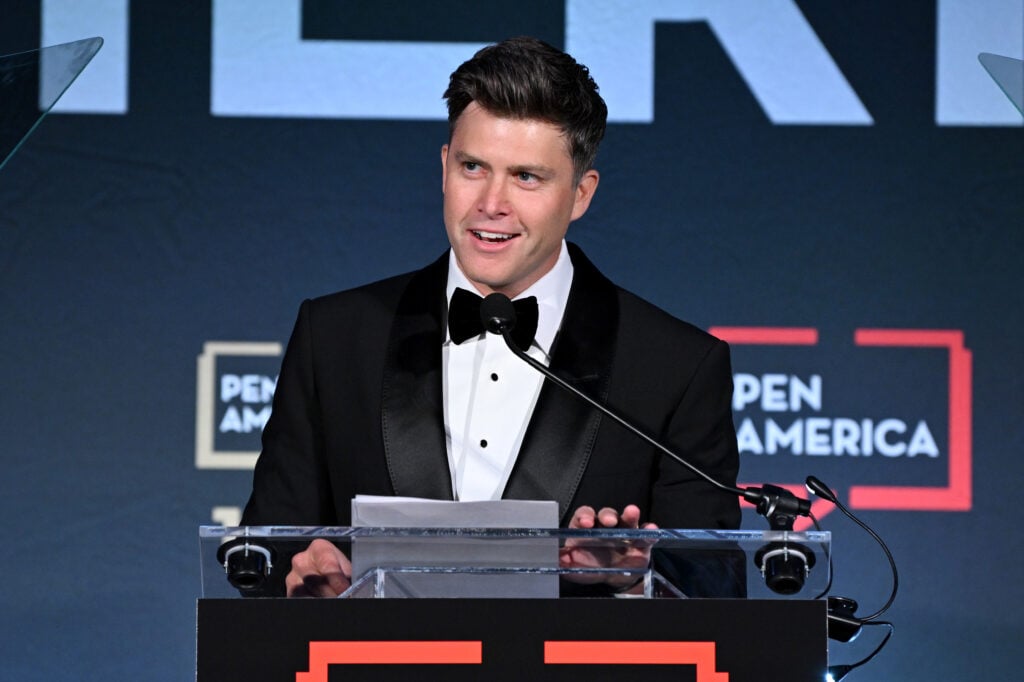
(493, 237)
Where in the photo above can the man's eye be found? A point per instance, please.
(527, 177)
(471, 166)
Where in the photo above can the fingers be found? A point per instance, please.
(583, 517)
(630, 517)
(586, 517)
(322, 570)
(608, 517)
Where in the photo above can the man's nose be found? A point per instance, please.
(494, 199)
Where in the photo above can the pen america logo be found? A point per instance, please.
(235, 384)
(889, 409)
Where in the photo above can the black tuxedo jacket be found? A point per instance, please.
(358, 408)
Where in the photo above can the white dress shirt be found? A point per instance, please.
(489, 393)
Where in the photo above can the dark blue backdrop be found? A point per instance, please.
(131, 239)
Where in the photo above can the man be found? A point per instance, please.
(377, 395)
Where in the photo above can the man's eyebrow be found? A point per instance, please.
(533, 169)
(536, 169)
(463, 157)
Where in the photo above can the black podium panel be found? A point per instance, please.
(451, 640)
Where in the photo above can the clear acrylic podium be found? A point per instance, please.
(497, 604)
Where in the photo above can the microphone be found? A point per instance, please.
(497, 314)
(841, 612)
(778, 505)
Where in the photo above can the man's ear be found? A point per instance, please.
(584, 193)
(444, 165)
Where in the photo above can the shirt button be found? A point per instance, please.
(483, 443)
(494, 377)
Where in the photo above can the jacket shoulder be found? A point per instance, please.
(377, 300)
(653, 323)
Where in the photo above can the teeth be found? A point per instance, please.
(492, 236)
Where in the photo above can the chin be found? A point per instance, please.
(487, 276)
(489, 284)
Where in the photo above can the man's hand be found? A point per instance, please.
(586, 517)
(322, 570)
(598, 554)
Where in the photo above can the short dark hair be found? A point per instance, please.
(526, 78)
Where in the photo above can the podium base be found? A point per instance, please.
(685, 640)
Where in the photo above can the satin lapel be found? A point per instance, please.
(563, 428)
(412, 414)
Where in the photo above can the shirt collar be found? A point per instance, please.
(551, 290)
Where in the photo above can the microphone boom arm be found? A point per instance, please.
(778, 505)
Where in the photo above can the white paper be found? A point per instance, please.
(377, 511)
(457, 566)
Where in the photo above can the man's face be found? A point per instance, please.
(509, 197)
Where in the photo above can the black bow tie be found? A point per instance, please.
(464, 318)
